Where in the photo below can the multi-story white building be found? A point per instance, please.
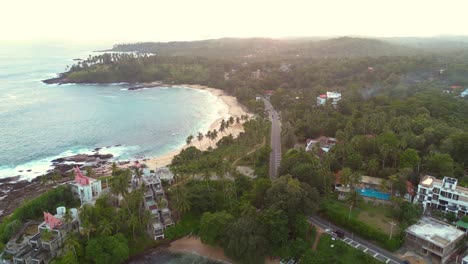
(156, 203)
(333, 96)
(85, 188)
(444, 195)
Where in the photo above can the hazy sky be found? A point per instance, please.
(142, 20)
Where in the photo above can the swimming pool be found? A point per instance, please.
(368, 192)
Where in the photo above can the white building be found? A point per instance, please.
(434, 239)
(156, 203)
(46, 244)
(464, 93)
(85, 188)
(465, 260)
(333, 96)
(444, 195)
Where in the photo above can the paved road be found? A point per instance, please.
(357, 242)
(275, 141)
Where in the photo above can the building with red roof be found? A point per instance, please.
(85, 188)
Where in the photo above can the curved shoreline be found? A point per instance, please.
(231, 108)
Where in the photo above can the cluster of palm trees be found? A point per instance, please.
(128, 213)
(351, 178)
(213, 134)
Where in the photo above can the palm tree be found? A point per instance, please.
(214, 134)
(105, 228)
(200, 138)
(72, 242)
(392, 180)
(114, 168)
(181, 202)
(189, 139)
(134, 223)
(353, 200)
(68, 217)
(119, 185)
(222, 127)
(208, 136)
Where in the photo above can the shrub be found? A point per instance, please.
(189, 224)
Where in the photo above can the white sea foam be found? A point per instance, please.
(41, 166)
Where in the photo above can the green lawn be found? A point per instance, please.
(336, 251)
(377, 216)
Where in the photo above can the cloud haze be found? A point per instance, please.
(142, 20)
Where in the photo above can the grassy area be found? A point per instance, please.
(377, 216)
(367, 221)
(336, 251)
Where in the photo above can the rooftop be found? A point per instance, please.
(164, 173)
(371, 180)
(80, 179)
(438, 233)
(431, 181)
(150, 178)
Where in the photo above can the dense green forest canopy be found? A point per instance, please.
(264, 48)
(401, 94)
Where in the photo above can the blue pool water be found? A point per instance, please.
(368, 192)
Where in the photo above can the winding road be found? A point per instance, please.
(275, 155)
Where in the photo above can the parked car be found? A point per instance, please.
(339, 233)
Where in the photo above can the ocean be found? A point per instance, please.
(40, 122)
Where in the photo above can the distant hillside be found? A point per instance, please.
(263, 48)
(433, 44)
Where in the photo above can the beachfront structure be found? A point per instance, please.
(434, 239)
(444, 195)
(335, 97)
(324, 144)
(46, 244)
(164, 173)
(156, 203)
(85, 188)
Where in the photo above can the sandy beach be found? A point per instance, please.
(232, 108)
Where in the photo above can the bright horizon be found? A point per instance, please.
(144, 20)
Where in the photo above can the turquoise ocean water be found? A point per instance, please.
(40, 122)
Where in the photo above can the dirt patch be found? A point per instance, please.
(318, 235)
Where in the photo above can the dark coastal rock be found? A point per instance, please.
(97, 149)
(28, 170)
(118, 145)
(59, 160)
(57, 80)
(9, 179)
